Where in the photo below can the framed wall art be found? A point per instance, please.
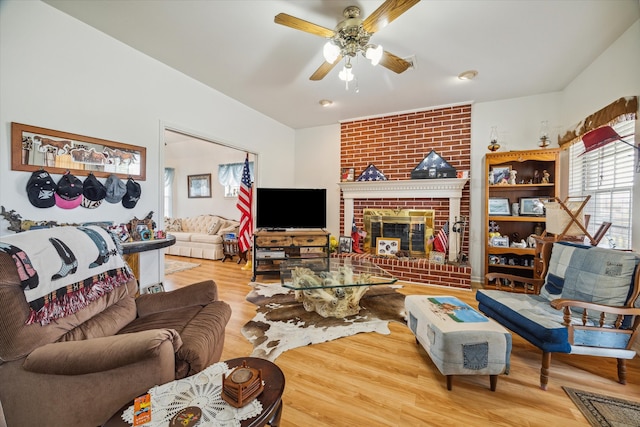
(499, 206)
(34, 148)
(387, 246)
(199, 186)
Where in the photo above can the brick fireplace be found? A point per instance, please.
(396, 144)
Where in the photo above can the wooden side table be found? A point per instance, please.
(230, 248)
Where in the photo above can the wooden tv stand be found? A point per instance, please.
(271, 248)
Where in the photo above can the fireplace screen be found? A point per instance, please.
(413, 227)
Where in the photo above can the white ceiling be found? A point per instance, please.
(519, 47)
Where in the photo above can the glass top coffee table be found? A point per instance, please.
(332, 290)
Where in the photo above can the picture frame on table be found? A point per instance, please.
(437, 257)
(387, 245)
(499, 206)
(531, 206)
(199, 186)
(344, 244)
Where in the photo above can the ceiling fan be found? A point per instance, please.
(351, 36)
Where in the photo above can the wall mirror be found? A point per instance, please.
(34, 148)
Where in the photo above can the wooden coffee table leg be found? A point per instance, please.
(493, 379)
(275, 420)
(449, 382)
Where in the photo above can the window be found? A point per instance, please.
(230, 175)
(606, 174)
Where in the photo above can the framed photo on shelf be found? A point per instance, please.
(437, 257)
(499, 206)
(199, 186)
(500, 242)
(531, 206)
(500, 175)
(344, 244)
(387, 246)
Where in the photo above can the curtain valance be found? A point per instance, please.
(623, 109)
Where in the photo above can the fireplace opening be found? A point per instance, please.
(414, 228)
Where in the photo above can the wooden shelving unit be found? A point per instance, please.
(512, 260)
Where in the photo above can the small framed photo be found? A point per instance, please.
(499, 175)
(199, 186)
(500, 242)
(499, 206)
(531, 206)
(387, 246)
(344, 244)
(437, 257)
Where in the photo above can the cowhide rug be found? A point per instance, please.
(282, 323)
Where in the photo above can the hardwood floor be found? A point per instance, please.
(388, 380)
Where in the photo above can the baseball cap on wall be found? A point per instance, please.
(69, 192)
(41, 189)
(116, 189)
(132, 196)
(93, 189)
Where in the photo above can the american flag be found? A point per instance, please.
(244, 204)
(441, 243)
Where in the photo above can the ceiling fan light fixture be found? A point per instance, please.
(468, 75)
(346, 75)
(374, 53)
(330, 52)
(326, 102)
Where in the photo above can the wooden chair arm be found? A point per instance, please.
(534, 288)
(567, 304)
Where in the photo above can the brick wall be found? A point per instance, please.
(396, 144)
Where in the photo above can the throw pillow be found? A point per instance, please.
(216, 223)
(173, 224)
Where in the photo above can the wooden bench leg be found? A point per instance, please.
(544, 371)
(622, 371)
(449, 382)
(493, 380)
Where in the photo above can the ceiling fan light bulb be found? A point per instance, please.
(374, 54)
(330, 52)
(346, 75)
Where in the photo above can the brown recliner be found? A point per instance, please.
(81, 369)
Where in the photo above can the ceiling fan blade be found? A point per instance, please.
(302, 25)
(394, 63)
(386, 13)
(324, 69)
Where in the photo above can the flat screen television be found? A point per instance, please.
(290, 208)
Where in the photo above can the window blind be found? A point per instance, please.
(606, 174)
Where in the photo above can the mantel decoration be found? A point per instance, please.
(371, 173)
(34, 148)
(433, 167)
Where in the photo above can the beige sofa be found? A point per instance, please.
(200, 236)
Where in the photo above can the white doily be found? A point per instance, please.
(201, 390)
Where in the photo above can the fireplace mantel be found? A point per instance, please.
(449, 188)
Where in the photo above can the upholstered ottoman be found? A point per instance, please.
(459, 340)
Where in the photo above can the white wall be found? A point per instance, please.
(61, 74)
(317, 161)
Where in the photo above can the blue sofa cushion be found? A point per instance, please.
(529, 316)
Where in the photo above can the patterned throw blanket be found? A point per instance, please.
(64, 269)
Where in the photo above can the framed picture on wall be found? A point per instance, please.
(199, 186)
